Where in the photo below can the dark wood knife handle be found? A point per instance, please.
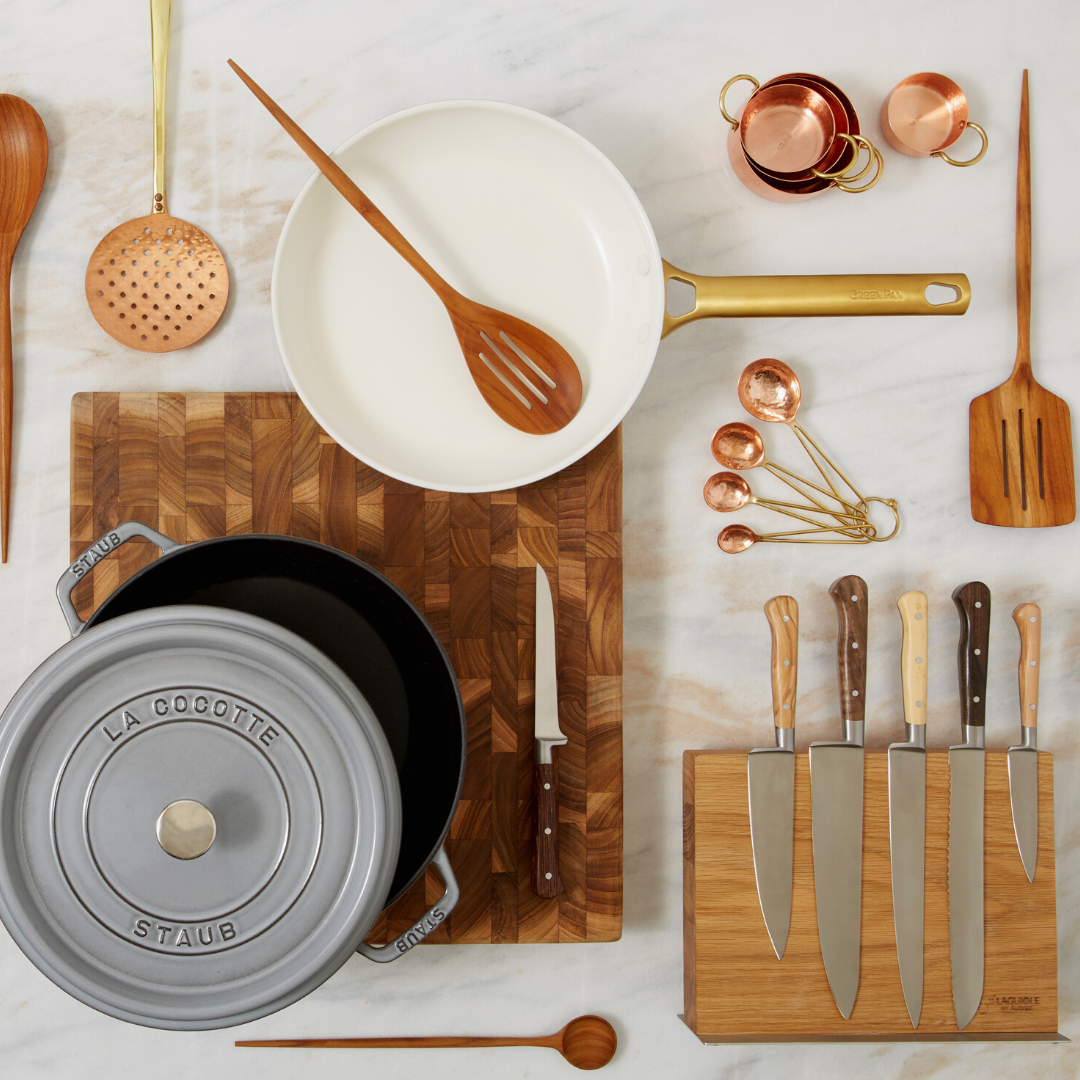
(546, 880)
(851, 599)
(973, 602)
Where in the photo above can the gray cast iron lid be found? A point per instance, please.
(199, 817)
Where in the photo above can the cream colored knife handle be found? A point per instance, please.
(1028, 619)
(914, 617)
(783, 615)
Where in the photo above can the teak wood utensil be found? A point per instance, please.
(157, 283)
(587, 1042)
(1020, 449)
(24, 157)
(526, 376)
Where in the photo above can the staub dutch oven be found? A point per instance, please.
(253, 746)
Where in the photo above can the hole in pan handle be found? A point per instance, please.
(432, 920)
(97, 551)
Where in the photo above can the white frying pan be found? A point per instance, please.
(518, 212)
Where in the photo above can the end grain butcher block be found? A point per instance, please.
(736, 989)
(196, 466)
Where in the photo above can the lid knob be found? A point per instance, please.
(186, 829)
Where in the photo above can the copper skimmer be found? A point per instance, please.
(157, 283)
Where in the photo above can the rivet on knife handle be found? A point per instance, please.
(783, 615)
(850, 597)
(973, 602)
(1028, 619)
(913, 659)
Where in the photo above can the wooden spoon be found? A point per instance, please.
(587, 1042)
(24, 157)
(526, 376)
(1019, 434)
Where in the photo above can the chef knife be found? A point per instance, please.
(967, 778)
(548, 734)
(771, 779)
(907, 804)
(1024, 759)
(836, 804)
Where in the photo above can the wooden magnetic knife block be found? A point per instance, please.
(737, 991)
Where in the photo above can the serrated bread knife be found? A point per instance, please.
(967, 781)
(771, 779)
(836, 803)
(907, 804)
(1024, 759)
(548, 734)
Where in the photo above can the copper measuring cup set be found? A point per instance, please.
(798, 134)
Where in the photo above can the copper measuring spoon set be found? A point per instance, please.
(831, 504)
(798, 134)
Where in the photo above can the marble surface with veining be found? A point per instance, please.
(887, 395)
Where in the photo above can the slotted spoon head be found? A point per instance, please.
(157, 283)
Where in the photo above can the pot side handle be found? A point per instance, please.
(383, 954)
(93, 555)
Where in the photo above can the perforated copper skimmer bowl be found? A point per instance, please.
(157, 283)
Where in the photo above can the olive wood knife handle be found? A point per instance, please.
(546, 880)
(850, 597)
(973, 602)
(913, 659)
(783, 615)
(1028, 619)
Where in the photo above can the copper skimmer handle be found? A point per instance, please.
(160, 16)
(810, 295)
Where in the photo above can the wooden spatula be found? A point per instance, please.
(525, 375)
(1020, 448)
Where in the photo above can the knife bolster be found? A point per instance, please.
(785, 738)
(544, 748)
(915, 734)
(853, 731)
(1029, 738)
(974, 736)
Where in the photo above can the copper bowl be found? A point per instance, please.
(925, 114)
(787, 128)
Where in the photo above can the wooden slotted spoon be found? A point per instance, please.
(526, 376)
(157, 283)
(1020, 448)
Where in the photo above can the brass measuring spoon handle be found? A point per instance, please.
(160, 16)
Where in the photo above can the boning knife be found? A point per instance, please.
(836, 802)
(548, 734)
(1024, 759)
(967, 781)
(771, 779)
(907, 804)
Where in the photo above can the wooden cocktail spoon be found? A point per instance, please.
(526, 376)
(587, 1042)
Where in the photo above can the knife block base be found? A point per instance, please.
(737, 991)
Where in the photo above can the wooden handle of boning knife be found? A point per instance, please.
(850, 596)
(546, 880)
(783, 615)
(1028, 619)
(973, 602)
(914, 618)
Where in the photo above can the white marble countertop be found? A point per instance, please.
(639, 80)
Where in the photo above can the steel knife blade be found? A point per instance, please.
(836, 803)
(1024, 759)
(967, 782)
(548, 734)
(907, 803)
(771, 779)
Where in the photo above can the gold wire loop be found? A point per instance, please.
(727, 86)
(891, 504)
(971, 161)
(856, 142)
(865, 187)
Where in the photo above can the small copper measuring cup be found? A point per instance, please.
(925, 114)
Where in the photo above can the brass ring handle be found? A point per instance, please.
(727, 86)
(858, 142)
(891, 504)
(865, 187)
(971, 161)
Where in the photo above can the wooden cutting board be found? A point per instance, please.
(736, 989)
(196, 466)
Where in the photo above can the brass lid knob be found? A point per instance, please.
(186, 829)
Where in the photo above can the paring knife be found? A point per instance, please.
(836, 802)
(548, 734)
(771, 779)
(1024, 759)
(907, 804)
(967, 781)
